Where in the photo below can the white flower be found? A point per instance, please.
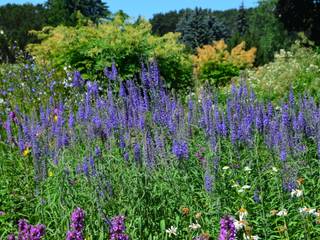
(246, 187)
(1, 32)
(283, 212)
(1, 101)
(65, 68)
(225, 167)
(239, 224)
(297, 193)
(172, 230)
(310, 211)
(194, 226)
(274, 169)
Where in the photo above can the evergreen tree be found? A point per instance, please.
(65, 11)
(163, 23)
(200, 27)
(266, 32)
(242, 23)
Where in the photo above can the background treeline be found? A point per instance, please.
(17, 20)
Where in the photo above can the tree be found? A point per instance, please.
(65, 11)
(300, 15)
(242, 23)
(15, 23)
(163, 23)
(200, 27)
(266, 32)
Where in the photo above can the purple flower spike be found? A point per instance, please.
(227, 229)
(77, 225)
(117, 228)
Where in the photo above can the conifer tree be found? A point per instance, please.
(200, 27)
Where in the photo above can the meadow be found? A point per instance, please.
(133, 160)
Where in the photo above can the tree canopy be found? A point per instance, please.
(200, 27)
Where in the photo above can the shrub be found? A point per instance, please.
(216, 65)
(298, 68)
(92, 48)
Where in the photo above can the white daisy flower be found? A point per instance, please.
(172, 230)
(296, 193)
(194, 226)
(246, 187)
(239, 224)
(305, 210)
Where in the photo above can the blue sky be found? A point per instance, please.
(147, 8)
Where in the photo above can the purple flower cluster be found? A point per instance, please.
(227, 229)
(180, 149)
(149, 124)
(117, 228)
(77, 225)
(28, 231)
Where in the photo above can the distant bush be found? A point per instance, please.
(91, 48)
(298, 68)
(215, 65)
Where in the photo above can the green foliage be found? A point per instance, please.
(200, 27)
(65, 11)
(154, 200)
(163, 23)
(242, 21)
(298, 68)
(266, 33)
(217, 74)
(92, 48)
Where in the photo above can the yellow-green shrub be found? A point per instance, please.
(92, 48)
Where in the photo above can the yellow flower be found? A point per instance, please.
(55, 118)
(26, 152)
(50, 173)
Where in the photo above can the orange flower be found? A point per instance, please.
(185, 211)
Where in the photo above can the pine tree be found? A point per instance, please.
(200, 27)
(242, 23)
